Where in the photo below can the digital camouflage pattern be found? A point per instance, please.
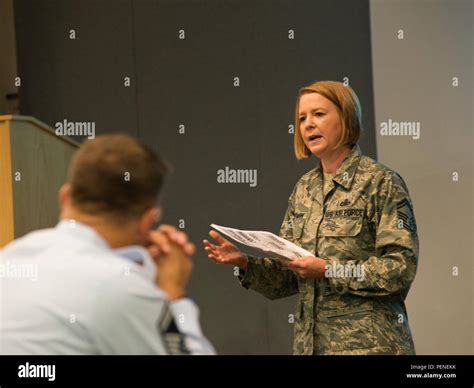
(365, 218)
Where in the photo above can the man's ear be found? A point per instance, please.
(148, 219)
(64, 195)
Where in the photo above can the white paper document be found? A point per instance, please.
(262, 244)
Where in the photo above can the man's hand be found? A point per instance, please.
(308, 267)
(172, 272)
(161, 239)
(171, 251)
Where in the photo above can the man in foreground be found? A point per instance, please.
(105, 282)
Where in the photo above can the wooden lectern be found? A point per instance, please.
(33, 165)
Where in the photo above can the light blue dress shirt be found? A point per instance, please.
(65, 291)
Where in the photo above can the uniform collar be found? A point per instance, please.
(140, 255)
(347, 170)
(82, 231)
(135, 253)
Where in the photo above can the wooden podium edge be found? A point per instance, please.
(7, 231)
(7, 221)
(41, 126)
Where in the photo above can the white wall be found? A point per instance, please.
(413, 80)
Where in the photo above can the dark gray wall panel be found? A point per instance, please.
(81, 79)
(190, 82)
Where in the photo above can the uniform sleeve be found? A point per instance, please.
(392, 269)
(132, 316)
(185, 314)
(266, 275)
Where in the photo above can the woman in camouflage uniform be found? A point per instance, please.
(357, 217)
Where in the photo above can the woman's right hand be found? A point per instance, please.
(224, 252)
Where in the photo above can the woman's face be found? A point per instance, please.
(320, 124)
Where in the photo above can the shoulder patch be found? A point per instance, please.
(406, 219)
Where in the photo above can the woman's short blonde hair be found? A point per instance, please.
(348, 106)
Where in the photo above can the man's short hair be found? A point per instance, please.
(115, 176)
(348, 106)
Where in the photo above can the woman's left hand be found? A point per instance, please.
(308, 267)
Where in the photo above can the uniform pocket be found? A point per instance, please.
(342, 228)
(299, 309)
(302, 328)
(351, 329)
(298, 225)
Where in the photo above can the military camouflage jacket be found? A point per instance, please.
(364, 227)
